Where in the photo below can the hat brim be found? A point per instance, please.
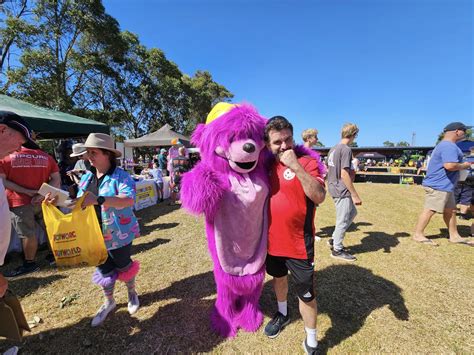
(117, 153)
(77, 154)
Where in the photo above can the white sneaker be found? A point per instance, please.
(102, 313)
(133, 303)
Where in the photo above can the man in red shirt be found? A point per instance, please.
(297, 186)
(14, 132)
(23, 173)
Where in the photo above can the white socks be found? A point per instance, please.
(311, 337)
(283, 307)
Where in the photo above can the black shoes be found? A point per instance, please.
(342, 255)
(26, 268)
(276, 325)
(308, 349)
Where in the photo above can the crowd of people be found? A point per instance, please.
(295, 175)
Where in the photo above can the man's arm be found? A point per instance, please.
(55, 180)
(456, 166)
(347, 180)
(311, 187)
(10, 185)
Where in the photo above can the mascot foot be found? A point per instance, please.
(250, 321)
(222, 326)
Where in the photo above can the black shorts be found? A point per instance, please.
(463, 194)
(301, 270)
(117, 260)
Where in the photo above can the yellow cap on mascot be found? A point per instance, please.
(218, 110)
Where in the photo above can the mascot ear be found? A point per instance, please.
(220, 151)
(196, 138)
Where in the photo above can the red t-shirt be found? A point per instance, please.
(28, 168)
(291, 229)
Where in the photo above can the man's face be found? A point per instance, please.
(279, 141)
(460, 134)
(11, 139)
(313, 140)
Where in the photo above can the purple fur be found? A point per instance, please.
(301, 150)
(100, 280)
(201, 192)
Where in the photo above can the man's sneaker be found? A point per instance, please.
(133, 303)
(26, 268)
(276, 325)
(102, 313)
(343, 255)
(308, 349)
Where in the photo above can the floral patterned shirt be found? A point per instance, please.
(119, 226)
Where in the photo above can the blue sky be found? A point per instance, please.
(393, 67)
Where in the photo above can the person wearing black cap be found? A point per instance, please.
(441, 178)
(23, 172)
(14, 132)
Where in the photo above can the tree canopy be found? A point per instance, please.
(70, 55)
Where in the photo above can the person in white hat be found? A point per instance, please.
(82, 164)
(111, 190)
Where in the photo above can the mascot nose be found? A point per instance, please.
(249, 147)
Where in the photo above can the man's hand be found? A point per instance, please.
(466, 165)
(3, 285)
(356, 199)
(37, 199)
(289, 159)
(89, 200)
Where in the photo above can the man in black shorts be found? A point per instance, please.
(297, 186)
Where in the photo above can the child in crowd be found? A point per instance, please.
(175, 185)
(157, 175)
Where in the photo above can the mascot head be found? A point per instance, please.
(232, 137)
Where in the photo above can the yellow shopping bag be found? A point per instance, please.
(75, 238)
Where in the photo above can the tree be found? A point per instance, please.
(15, 30)
(72, 41)
(353, 144)
(203, 93)
(403, 144)
(388, 144)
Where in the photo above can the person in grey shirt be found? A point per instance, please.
(342, 190)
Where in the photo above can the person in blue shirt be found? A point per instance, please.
(111, 191)
(441, 178)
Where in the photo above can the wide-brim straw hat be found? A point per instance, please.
(102, 141)
(78, 149)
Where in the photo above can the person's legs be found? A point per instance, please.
(280, 286)
(275, 266)
(345, 213)
(423, 221)
(127, 271)
(435, 201)
(105, 276)
(450, 219)
(302, 271)
(23, 220)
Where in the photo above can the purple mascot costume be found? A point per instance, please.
(230, 187)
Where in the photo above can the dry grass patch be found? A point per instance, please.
(399, 297)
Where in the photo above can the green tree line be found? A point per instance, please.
(71, 56)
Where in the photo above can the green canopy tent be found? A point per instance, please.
(49, 124)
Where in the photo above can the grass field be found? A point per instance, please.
(399, 297)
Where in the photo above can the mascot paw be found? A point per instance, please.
(222, 326)
(252, 320)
